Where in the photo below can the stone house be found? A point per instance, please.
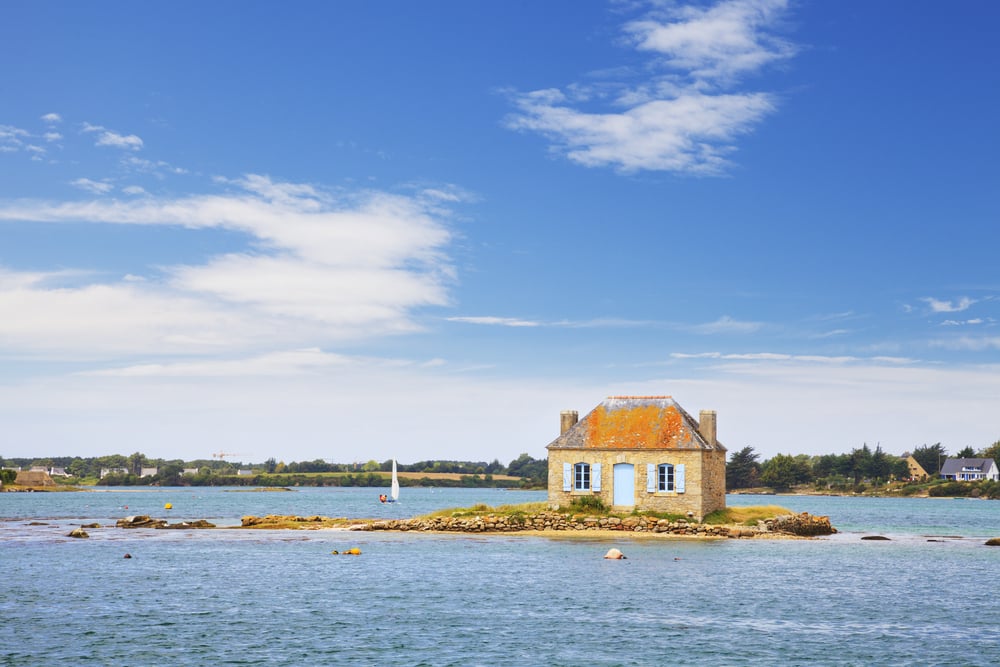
(639, 452)
(917, 471)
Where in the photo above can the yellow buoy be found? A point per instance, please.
(168, 506)
(354, 552)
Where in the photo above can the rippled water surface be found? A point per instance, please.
(238, 597)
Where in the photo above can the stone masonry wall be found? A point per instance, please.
(705, 479)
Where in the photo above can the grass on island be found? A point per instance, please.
(742, 516)
(745, 516)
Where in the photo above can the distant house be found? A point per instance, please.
(916, 470)
(639, 452)
(147, 472)
(244, 473)
(34, 478)
(970, 470)
(58, 472)
(113, 471)
(190, 471)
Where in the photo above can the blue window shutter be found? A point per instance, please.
(679, 477)
(650, 478)
(595, 477)
(567, 477)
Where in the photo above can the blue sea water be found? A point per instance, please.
(235, 597)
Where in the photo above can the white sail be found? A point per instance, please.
(394, 493)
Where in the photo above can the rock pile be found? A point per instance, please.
(804, 525)
(144, 521)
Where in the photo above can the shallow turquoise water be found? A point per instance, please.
(281, 597)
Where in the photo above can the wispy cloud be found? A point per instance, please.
(681, 120)
(322, 268)
(941, 306)
(293, 362)
(97, 187)
(726, 324)
(798, 358)
(12, 139)
(714, 43)
(52, 118)
(963, 323)
(110, 138)
(596, 323)
(495, 321)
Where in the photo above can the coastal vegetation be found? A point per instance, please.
(139, 470)
(863, 470)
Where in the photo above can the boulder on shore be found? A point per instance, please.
(993, 542)
(803, 525)
(78, 532)
(140, 521)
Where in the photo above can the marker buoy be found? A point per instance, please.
(168, 506)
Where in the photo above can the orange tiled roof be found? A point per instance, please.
(634, 422)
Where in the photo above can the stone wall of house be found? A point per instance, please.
(705, 478)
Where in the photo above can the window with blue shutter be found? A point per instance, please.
(596, 485)
(567, 477)
(581, 477)
(650, 478)
(679, 478)
(665, 477)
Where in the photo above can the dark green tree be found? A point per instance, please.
(930, 458)
(742, 469)
(966, 453)
(785, 471)
(992, 452)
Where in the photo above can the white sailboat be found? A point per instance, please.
(394, 492)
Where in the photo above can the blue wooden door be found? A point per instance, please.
(624, 484)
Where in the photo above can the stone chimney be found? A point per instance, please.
(706, 426)
(567, 418)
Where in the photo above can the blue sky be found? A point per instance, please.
(420, 230)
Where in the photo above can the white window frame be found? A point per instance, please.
(665, 477)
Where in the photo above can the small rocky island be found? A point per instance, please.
(788, 525)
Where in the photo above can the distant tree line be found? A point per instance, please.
(170, 472)
(861, 467)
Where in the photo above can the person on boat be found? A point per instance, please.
(382, 498)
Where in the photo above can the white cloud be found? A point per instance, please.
(675, 122)
(323, 270)
(293, 362)
(969, 343)
(97, 187)
(12, 138)
(115, 140)
(717, 42)
(961, 323)
(500, 321)
(158, 168)
(690, 133)
(726, 324)
(52, 118)
(52, 136)
(941, 306)
(134, 190)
